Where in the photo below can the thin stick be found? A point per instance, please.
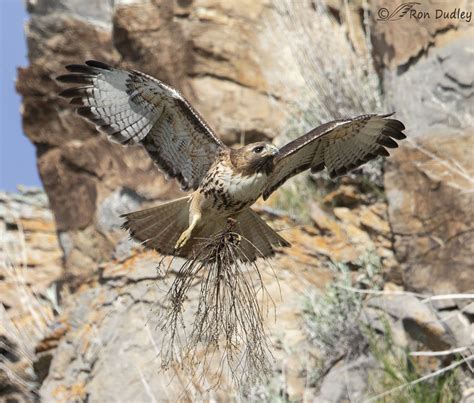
(427, 298)
(448, 296)
(376, 292)
(438, 353)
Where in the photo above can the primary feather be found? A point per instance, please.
(134, 108)
(339, 146)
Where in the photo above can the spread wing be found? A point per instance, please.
(340, 145)
(134, 108)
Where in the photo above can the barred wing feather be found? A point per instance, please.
(134, 108)
(339, 146)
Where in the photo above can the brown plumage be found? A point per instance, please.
(134, 108)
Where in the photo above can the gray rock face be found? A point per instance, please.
(119, 355)
(119, 202)
(112, 348)
(124, 247)
(111, 351)
(96, 12)
(418, 319)
(459, 327)
(66, 243)
(347, 382)
(441, 88)
(428, 180)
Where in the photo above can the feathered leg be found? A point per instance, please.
(194, 220)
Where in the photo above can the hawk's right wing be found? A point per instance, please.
(134, 108)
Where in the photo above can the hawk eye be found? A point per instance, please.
(258, 149)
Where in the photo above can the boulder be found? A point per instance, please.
(382, 322)
(428, 180)
(346, 382)
(469, 309)
(459, 326)
(399, 41)
(420, 322)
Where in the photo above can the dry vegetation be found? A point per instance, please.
(20, 336)
(323, 77)
(228, 324)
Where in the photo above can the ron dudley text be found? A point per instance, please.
(455, 14)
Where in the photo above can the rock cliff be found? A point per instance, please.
(255, 70)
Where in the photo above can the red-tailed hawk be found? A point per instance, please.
(133, 108)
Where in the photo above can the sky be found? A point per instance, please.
(17, 154)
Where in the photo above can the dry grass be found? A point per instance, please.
(20, 334)
(324, 76)
(400, 378)
(332, 318)
(228, 337)
(335, 329)
(321, 77)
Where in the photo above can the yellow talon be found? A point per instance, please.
(183, 239)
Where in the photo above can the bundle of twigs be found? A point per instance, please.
(228, 320)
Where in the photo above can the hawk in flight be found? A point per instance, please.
(133, 108)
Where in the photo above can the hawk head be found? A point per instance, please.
(254, 158)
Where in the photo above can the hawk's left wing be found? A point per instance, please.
(340, 145)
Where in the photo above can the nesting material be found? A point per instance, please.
(228, 336)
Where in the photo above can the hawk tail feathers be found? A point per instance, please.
(160, 227)
(258, 238)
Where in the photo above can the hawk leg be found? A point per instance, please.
(186, 235)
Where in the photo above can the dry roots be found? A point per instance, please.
(228, 320)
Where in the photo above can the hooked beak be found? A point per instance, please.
(272, 150)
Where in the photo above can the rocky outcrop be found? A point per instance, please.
(71, 354)
(30, 263)
(224, 59)
(29, 246)
(117, 312)
(252, 72)
(206, 50)
(428, 180)
(120, 311)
